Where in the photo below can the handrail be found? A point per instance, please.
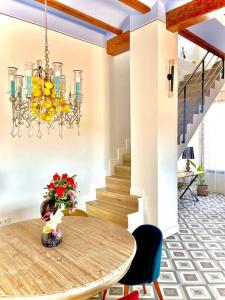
(192, 74)
(205, 79)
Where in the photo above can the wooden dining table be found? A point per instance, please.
(93, 255)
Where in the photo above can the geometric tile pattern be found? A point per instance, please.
(193, 261)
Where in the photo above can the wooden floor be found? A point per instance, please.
(114, 201)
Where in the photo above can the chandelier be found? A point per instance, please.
(39, 99)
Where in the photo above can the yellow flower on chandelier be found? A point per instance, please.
(47, 106)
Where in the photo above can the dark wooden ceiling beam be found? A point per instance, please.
(137, 5)
(193, 13)
(202, 43)
(119, 44)
(82, 16)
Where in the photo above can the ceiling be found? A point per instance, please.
(111, 12)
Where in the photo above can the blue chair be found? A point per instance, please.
(145, 267)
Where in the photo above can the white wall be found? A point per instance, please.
(26, 165)
(154, 124)
(193, 53)
(119, 100)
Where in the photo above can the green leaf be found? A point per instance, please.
(192, 163)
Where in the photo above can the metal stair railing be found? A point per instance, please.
(203, 65)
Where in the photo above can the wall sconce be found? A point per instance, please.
(170, 76)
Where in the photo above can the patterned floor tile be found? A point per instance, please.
(218, 291)
(206, 265)
(199, 254)
(198, 292)
(178, 254)
(172, 292)
(166, 265)
(174, 245)
(184, 265)
(215, 277)
(190, 277)
(167, 277)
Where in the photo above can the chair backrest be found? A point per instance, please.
(149, 250)
(133, 296)
(145, 266)
(76, 213)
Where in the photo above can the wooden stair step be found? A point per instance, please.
(127, 159)
(117, 198)
(123, 171)
(118, 183)
(108, 212)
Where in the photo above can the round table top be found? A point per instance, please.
(93, 255)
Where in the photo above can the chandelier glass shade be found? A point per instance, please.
(39, 98)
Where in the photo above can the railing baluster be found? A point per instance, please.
(223, 68)
(203, 86)
(184, 114)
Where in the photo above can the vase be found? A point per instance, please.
(51, 236)
(51, 240)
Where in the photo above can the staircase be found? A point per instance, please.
(114, 202)
(197, 91)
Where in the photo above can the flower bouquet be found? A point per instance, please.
(60, 196)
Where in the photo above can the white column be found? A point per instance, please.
(154, 124)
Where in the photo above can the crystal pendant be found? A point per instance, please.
(13, 132)
(39, 134)
(61, 131)
(30, 133)
(19, 134)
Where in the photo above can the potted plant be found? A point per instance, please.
(202, 186)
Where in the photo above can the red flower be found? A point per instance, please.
(70, 181)
(51, 185)
(64, 176)
(60, 190)
(56, 176)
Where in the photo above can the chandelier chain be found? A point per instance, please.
(46, 44)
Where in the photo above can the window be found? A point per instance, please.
(214, 138)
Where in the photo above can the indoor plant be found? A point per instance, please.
(60, 196)
(202, 186)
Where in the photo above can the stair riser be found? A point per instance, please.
(118, 185)
(99, 213)
(122, 171)
(118, 200)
